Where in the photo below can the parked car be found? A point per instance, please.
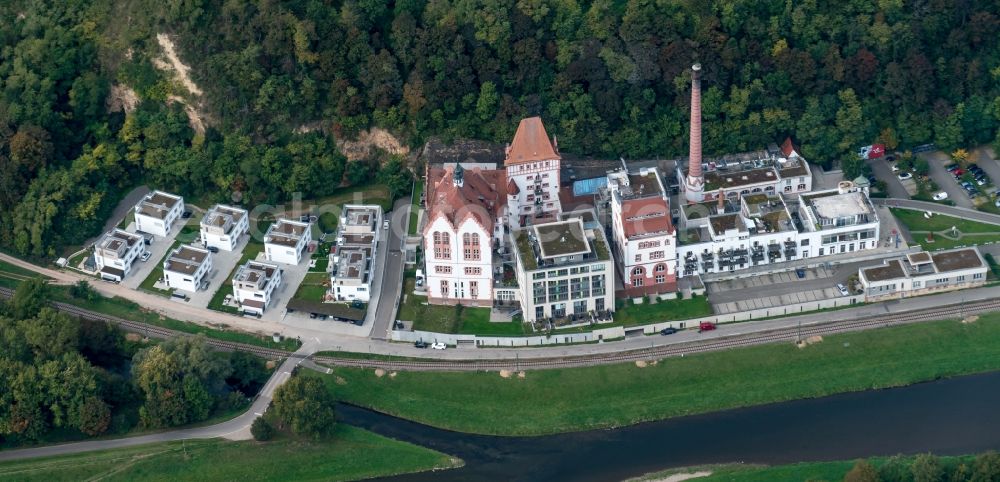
(842, 289)
(212, 249)
(420, 344)
(904, 176)
(186, 214)
(145, 255)
(385, 224)
(997, 203)
(313, 315)
(706, 326)
(951, 167)
(890, 158)
(895, 168)
(800, 272)
(941, 196)
(439, 345)
(668, 331)
(958, 173)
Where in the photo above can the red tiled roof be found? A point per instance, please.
(482, 196)
(652, 216)
(512, 188)
(787, 148)
(531, 143)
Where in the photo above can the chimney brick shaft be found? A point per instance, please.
(694, 154)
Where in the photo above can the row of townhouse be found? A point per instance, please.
(351, 263)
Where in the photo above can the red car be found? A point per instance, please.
(958, 172)
(706, 326)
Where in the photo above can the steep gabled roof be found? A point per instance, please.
(531, 143)
(482, 196)
(787, 148)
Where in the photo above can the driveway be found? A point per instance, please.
(884, 173)
(944, 179)
(391, 283)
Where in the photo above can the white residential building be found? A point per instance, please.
(254, 284)
(186, 267)
(222, 227)
(115, 253)
(764, 228)
(772, 171)
(157, 212)
(924, 273)
(351, 263)
(286, 241)
(563, 269)
(533, 167)
(645, 242)
(464, 222)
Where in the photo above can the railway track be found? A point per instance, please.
(652, 353)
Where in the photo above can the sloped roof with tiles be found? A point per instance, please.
(481, 196)
(531, 143)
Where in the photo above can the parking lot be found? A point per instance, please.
(883, 171)
(779, 289)
(945, 181)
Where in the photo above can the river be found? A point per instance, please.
(947, 417)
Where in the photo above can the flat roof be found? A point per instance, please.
(730, 179)
(286, 232)
(562, 238)
(723, 222)
(891, 270)
(157, 204)
(839, 205)
(222, 216)
(919, 258)
(185, 259)
(957, 259)
(255, 272)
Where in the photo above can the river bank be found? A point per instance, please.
(553, 401)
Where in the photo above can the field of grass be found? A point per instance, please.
(149, 283)
(971, 232)
(11, 275)
(351, 454)
(418, 189)
(126, 309)
(252, 249)
(449, 319)
(630, 314)
(550, 401)
(311, 288)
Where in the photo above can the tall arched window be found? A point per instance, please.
(442, 245)
(638, 271)
(470, 245)
(661, 268)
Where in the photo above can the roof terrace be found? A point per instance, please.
(185, 260)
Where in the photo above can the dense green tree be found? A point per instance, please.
(927, 468)
(863, 471)
(306, 406)
(261, 430)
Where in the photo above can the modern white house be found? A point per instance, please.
(157, 212)
(222, 227)
(286, 241)
(115, 253)
(186, 267)
(645, 241)
(254, 284)
(351, 263)
(924, 273)
(765, 228)
(564, 269)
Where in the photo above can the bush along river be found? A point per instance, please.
(947, 417)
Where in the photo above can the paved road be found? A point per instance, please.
(124, 207)
(235, 429)
(392, 271)
(955, 211)
(882, 171)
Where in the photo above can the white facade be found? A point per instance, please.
(157, 212)
(186, 268)
(563, 269)
(115, 253)
(772, 171)
(924, 273)
(286, 241)
(533, 168)
(459, 262)
(645, 241)
(765, 229)
(254, 284)
(351, 265)
(223, 225)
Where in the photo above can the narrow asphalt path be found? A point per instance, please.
(234, 429)
(392, 271)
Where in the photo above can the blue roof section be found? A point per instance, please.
(586, 187)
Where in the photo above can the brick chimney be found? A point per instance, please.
(694, 184)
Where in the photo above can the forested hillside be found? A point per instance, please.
(610, 78)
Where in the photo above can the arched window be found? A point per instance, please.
(638, 271)
(442, 246)
(470, 246)
(661, 268)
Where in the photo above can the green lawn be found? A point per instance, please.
(351, 454)
(189, 231)
(970, 232)
(630, 314)
(311, 288)
(449, 319)
(129, 310)
(548, 401)
(252, 249)
(157, 273)
(418, 189)
(12, 271)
